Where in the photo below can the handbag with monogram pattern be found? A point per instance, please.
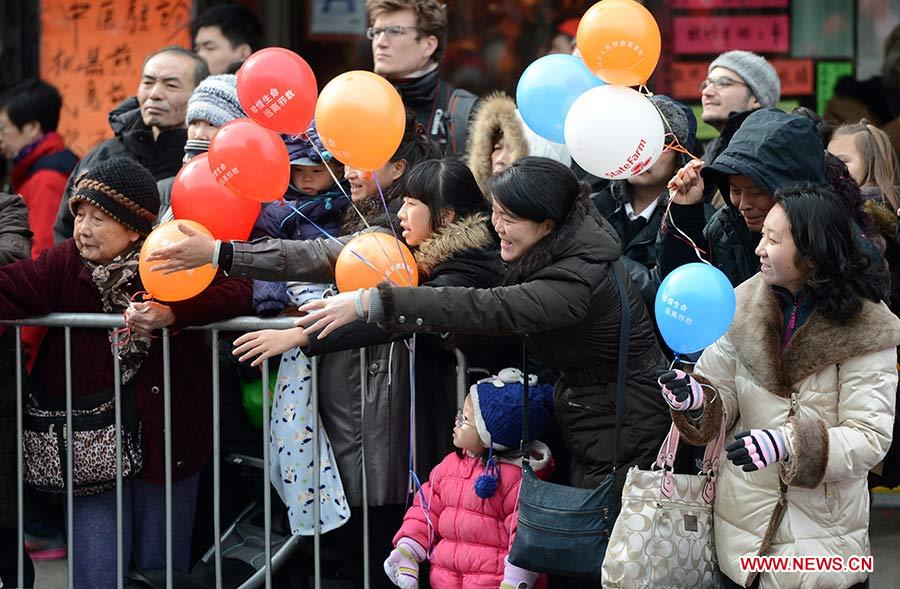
(663, 537)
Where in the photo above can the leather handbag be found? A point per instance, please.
(663, 536)
(564, 530)
(93, 441)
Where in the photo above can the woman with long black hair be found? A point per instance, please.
(806, 379)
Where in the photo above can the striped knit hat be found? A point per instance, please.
(123, 189)
(215, 101)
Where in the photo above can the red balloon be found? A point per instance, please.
(198, 197)
(250, 161)
(278, 90)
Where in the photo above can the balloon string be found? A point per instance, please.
(387, 213)
(124, 333)
(675, 145)
(328, 235)
(415, 484)
(333, 177)
(668, 219)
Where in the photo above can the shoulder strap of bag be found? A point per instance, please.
(620, 379)
(623, 359)
(459, 110)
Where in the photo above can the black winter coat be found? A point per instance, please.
(463, 254)
(163, 156)
(563, 301)
(15, 244)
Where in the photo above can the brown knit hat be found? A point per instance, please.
(122, 188)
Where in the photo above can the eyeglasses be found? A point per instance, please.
(461, 420)
(719, 83)
(392, 31)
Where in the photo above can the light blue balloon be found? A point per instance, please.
(694, 307)
(547, 89)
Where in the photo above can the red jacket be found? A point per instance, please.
(40, 177)
(59, 281)
(472, 536)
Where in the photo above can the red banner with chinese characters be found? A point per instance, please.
(728, 3)
(711, 35)
(796, 77)
(92, 51)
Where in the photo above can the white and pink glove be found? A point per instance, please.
(402, 565)
(516, 577)
(757, 448)
(680, 390)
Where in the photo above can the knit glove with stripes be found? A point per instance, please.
(757, 448)
(402, 565)
(680, 391)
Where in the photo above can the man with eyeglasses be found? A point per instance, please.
(408, 40)
(737, 82)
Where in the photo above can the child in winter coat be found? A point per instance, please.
(463, 520)
(314, 202)
(313, 199)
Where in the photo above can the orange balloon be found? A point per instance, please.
(360, 119)
(619, 41)
(177, 286)
(372, 258)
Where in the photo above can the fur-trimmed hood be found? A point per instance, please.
(757, 327)
(496, 113)
(468, 233)
(574, 237)
(880, 211)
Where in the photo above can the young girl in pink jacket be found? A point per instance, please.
(464, 518)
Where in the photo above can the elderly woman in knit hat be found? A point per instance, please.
(635, 207)
(96, 271)
(213, 103)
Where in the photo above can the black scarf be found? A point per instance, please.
(112, 280)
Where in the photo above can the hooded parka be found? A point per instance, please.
(774, 150)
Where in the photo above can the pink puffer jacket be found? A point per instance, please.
(472, 536)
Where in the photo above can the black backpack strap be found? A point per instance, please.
(459, 109)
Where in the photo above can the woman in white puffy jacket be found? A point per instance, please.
(806, 378)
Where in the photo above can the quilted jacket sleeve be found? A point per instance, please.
(531, 307)
(867, 398)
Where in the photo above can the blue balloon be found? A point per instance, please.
(547, 89)
(694, 307)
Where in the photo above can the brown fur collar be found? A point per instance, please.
(885, 219)
(468, 233)
(757, 330)
(497, 112)
(545, 251)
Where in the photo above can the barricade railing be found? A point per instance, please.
(68, 321)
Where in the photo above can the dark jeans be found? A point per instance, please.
(9, 558)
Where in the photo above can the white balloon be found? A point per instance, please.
(614, 132)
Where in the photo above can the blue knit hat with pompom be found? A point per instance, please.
(497, 402)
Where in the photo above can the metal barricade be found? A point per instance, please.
(68, 321)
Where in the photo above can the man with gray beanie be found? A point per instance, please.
(213, 103)
(635, 207)
(736, 82)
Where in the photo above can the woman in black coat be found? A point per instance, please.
(559, 295)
